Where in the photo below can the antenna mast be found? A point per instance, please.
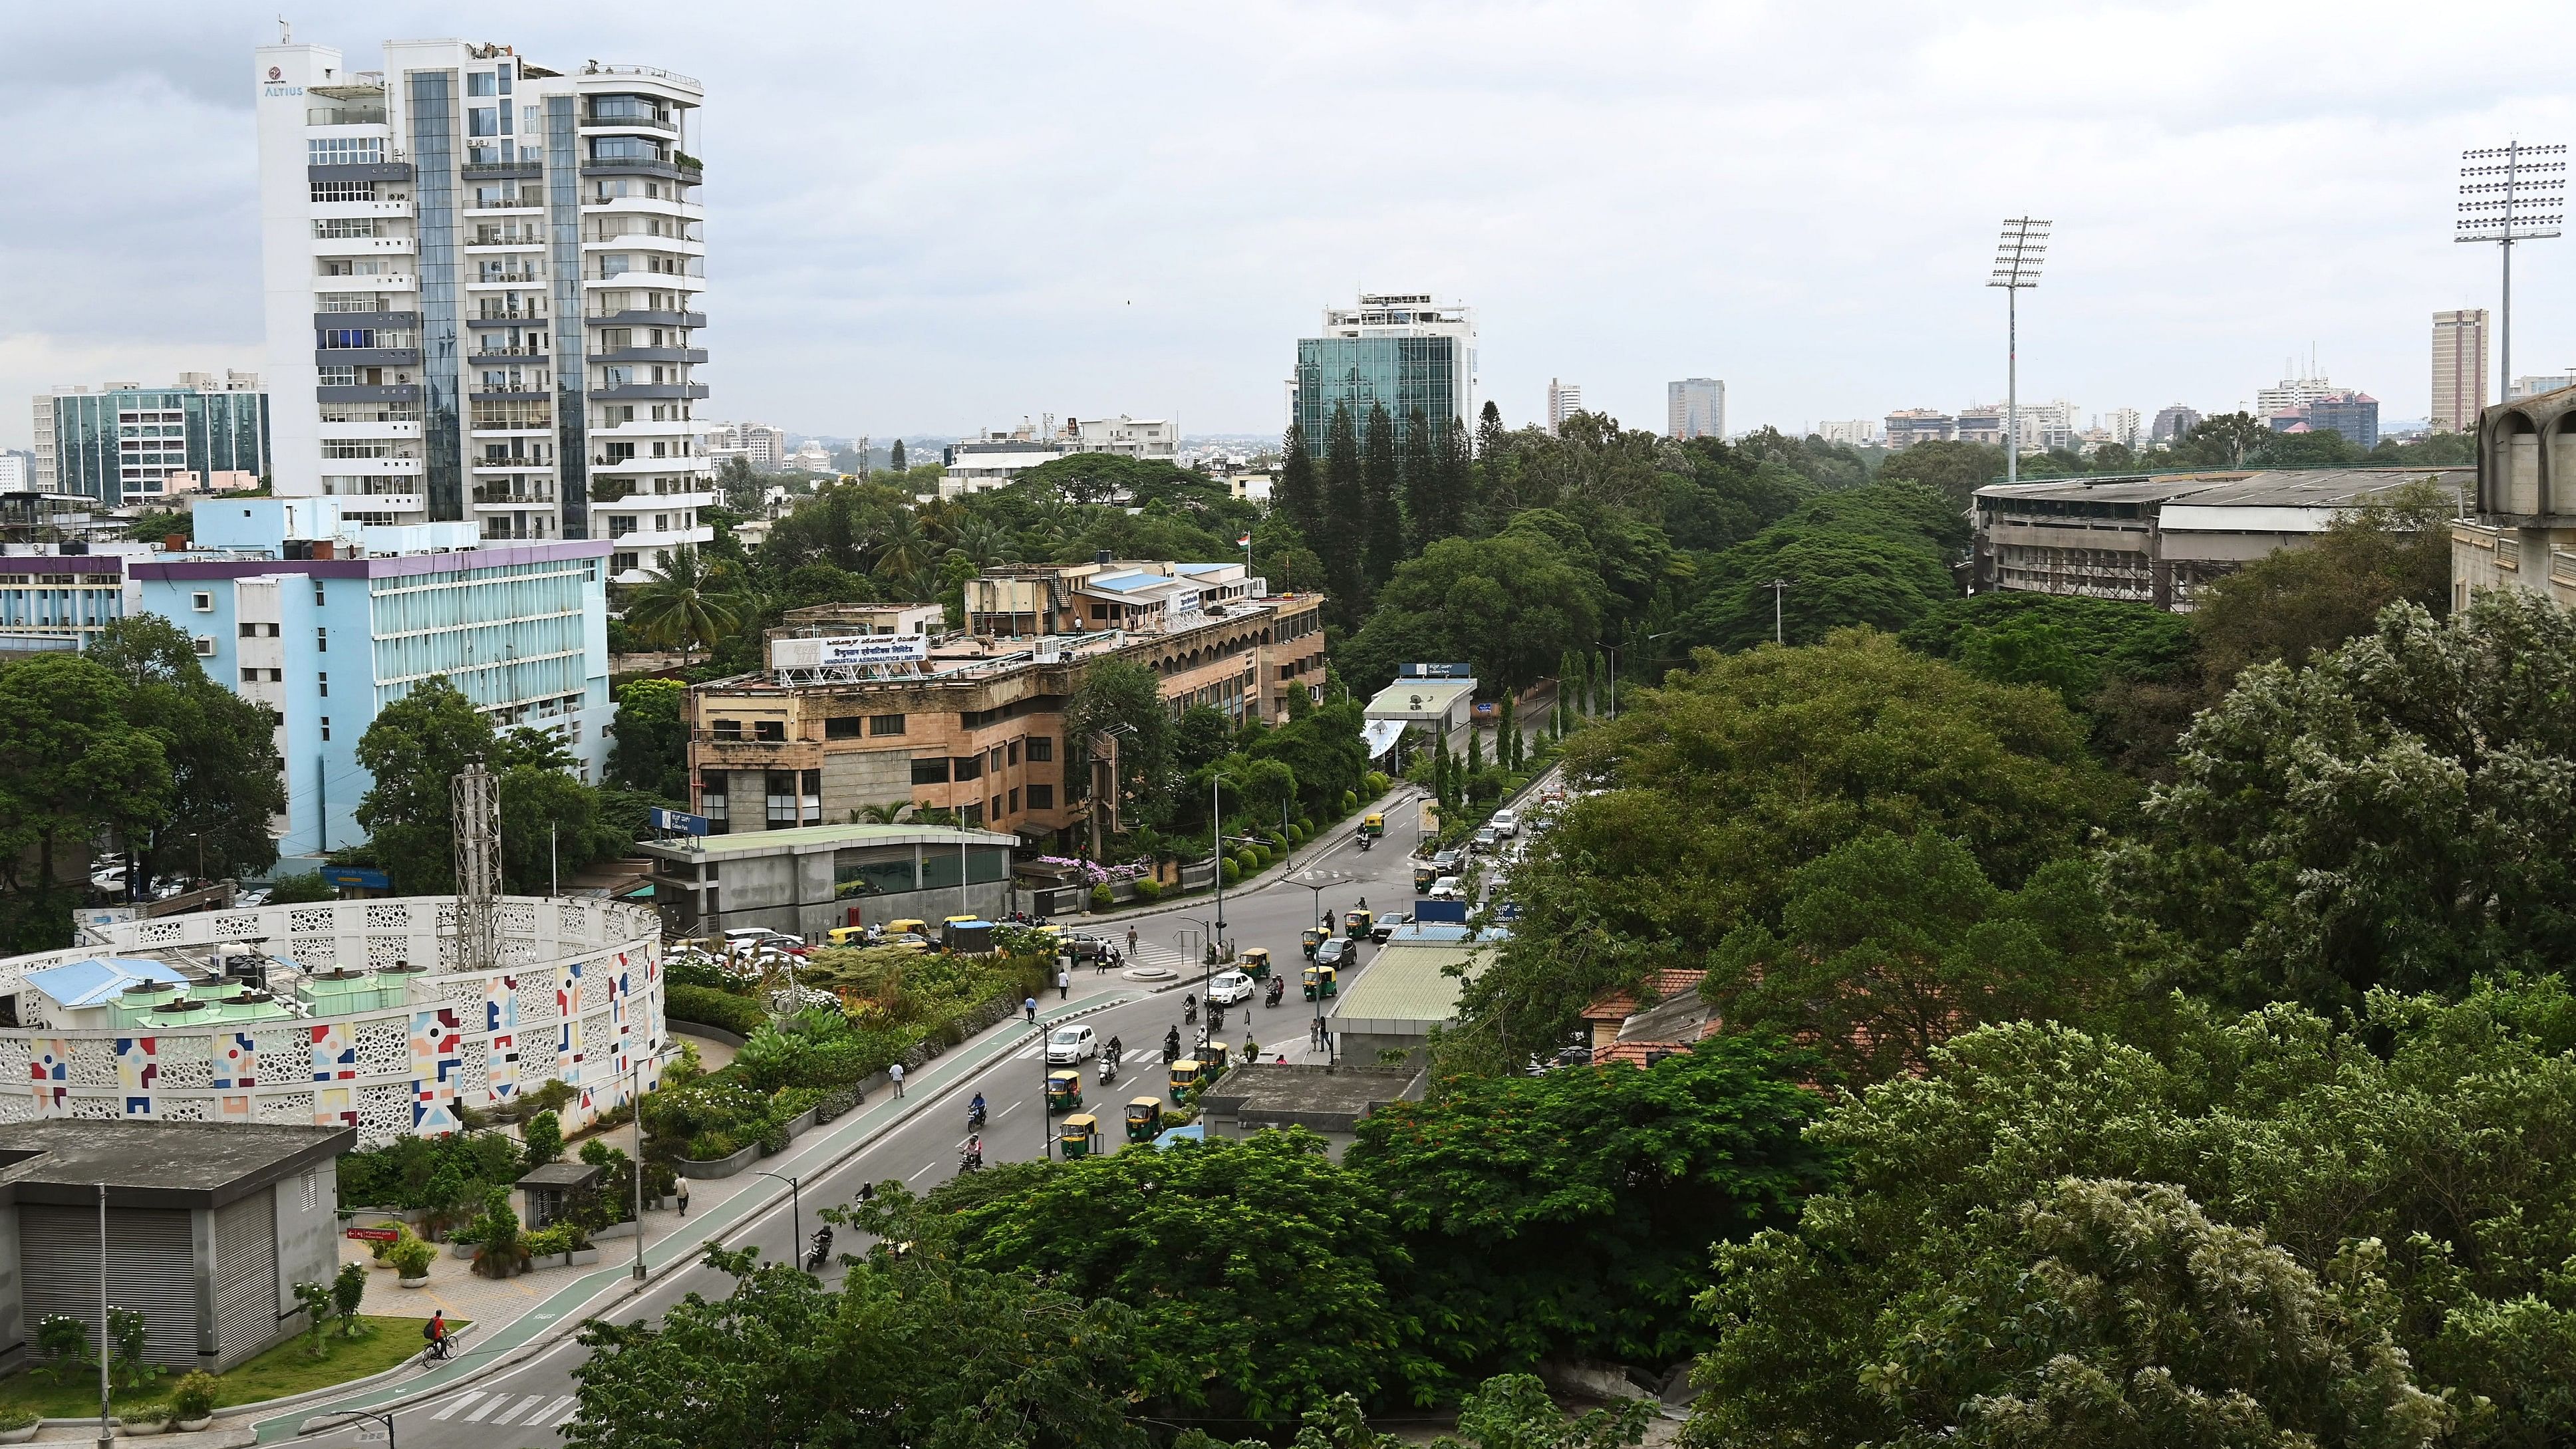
(477, 822)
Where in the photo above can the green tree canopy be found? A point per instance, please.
(224, 781)
(1511, 604)
(652, 749)
(1572, 1214)
(2399, 812)
(1124, 697)
(414, 749)
(2294, 602)
(1259, 1272)
(73, 765)
(1953, 470)
(2418, 1147)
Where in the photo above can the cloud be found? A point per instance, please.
(931, 218)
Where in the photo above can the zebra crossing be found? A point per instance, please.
(501, 1409)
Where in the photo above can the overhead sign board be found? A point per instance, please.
(1436, 671)
(678, 822)
(847, 650)
(357, 877)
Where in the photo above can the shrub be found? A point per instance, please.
(548, 1241)
(297, 889)
(193, 1397)
(502, 1249)
(1231, 871)
(709, 1146)
(1377, 783)
(1148, 889)
(1350, 802)
(411, 1256)
(1296, 835)
(1101, 899)
(17, 1418)
(315, 1300)
(795, 1101)
(544, 1138)
(348, 1295)
(772, 1137)
(836, 1102)
(737, 1014)
(64, 1340)
(147, 1411)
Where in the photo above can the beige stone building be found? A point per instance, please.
(857, 714)
(2524, 532)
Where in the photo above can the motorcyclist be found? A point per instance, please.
(1172, 1046)
(975, 1111)
(821, 1252)
(1117, 1049)
(1108, 1069)
(971, 1156)
(1190, 1007)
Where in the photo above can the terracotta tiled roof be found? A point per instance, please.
(1663, 986)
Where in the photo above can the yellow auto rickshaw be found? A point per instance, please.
(908, 927)
(1079, 1136)
(1212, 1062)
(846, 936)
(1064, 1091)
(1256, 962)
(1144, 1118)
(1373, 823)
(1185, 1079)
(1315, 937)
(1320, 983)
(959, 920)
(1356, 924)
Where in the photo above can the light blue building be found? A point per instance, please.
(326, 621)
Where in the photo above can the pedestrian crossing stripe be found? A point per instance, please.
(462, 1400)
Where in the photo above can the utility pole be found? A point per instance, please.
(1779, 589)
(476, 820)
(2017, 258)
(2510, 193)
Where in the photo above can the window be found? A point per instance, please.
(345, 150)
(250, 676)
(205, 646)
(885, 724)
(327, 191)
(323, 682)
(970, 767)
(1015, 802)
(774, 730)
(482, 83)
(974, 817)
(1041, 749)
(202, 603)
(997, 808)
(317, 596)
(932, 770)
(1042, 797)
(841, 727)
(993, 758)
(729, 729)
(326, 728)
(321, 640)
(1015, 752)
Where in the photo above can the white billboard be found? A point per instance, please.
(848, 649)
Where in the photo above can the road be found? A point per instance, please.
(527, 1403)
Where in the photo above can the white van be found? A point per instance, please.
(1506, 823)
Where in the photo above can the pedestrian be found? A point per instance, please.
(1131, 940)
(684, 1197)
(896, 1072)
(1031, 1007)
(1063, 984)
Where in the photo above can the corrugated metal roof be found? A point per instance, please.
(2278, 487)
(1410, 982)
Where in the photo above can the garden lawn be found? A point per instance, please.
(283, 1370)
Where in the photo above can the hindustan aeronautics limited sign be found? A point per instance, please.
(848, 649)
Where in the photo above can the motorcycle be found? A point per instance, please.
(969, 1159)
(1189, 1008)
(1278, 991)
(821, 1252)
(1172, 1047)
(1108, 1070)
(1366, 840)
(975, 1117)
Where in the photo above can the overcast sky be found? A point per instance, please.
(933, 218)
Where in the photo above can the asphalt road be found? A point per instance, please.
(526, 1403)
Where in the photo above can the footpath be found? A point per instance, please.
(517, 1317)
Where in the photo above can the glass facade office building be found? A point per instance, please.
(1404, 373)
(124, 443)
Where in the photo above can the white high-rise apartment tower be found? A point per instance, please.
(1564, 400)
(482, 279)
(1695, 407)
(2459, 369)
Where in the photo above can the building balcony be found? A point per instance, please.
(373, 467)
(510, 465)
(685, 169)
(366, 393)
(479, 247)
(379, 282)
(633, 280)
(522, 170)
(507, 354)
(487, 500)
(360, 171)
(495, 309)
(340, 210)
(649, 391)
(633, 318)
(373, 314)
(605, 463)
(369, 430)
(644, 501)
(661, 538)
(366, 357)
(644, 206)
(485, 392)
(391, 503)
(610, 123)
(652, 354)
(487, 281)
(503, 208)
(687, 246)
(364, 246)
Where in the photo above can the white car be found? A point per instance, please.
(1506, 823)
(1445, 889)
(1071, 1044)
(1229, 987)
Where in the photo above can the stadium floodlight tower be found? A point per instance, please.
(2017, 258)
(2510, 193)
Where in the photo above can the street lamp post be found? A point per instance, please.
(796, 1213)
(636, 1101)
(2016, 269)
(1779, 589)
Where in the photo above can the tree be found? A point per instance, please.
(224, 780)
(652, 748)
(72, 766)
(1509, 604)
(1344, 535)
(2398, 812)
(1259, 1272)
(1324, 751)
(1890, 946)
(415, 748)
(2296, 601)
(299, 888)
(1740, 770)
(1571, 1215)
(2225, 439)
(911, 1350)
(2109, 638)
(544, 1137)
(1300, 496)
(1123, 697)
(1865, 556)
(2400, 1157)
(681, 606)
(1954, 470)
(894, 458)
(1436, 474)
(348, 1296)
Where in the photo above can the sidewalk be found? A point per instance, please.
(535, 1308)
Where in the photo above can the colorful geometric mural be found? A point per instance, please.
(335, 1053)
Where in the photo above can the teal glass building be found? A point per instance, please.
(122, 444)
(1404, 373)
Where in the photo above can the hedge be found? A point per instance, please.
(709, 1007)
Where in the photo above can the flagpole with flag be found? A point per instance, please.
(1246, 542)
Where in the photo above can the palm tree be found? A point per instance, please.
(903, 549)
(984, 542)
(685, 605)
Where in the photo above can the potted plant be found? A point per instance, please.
(192, 1400)
(411, 1259)
(17, 1426)
(146, 1416)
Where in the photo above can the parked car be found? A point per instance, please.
(1506, 823)
(1071, 1044)
(743, 938)
(1228, 987)
(1085, 946)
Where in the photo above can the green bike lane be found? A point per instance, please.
(601, 1290)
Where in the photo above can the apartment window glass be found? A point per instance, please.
(482, 83)
(974, 817)
(729, 729)
(345, 150)
(773, 730)
(326, 727)
(885, 724)
(970, 767)
(322, 641)
(1041, 748)
(1042, 797)
(930, 771)
(1015, 752)
(841, 727)
(323, 683)
(1015, 802)
(202, 603)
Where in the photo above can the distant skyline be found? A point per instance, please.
(938, 219)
